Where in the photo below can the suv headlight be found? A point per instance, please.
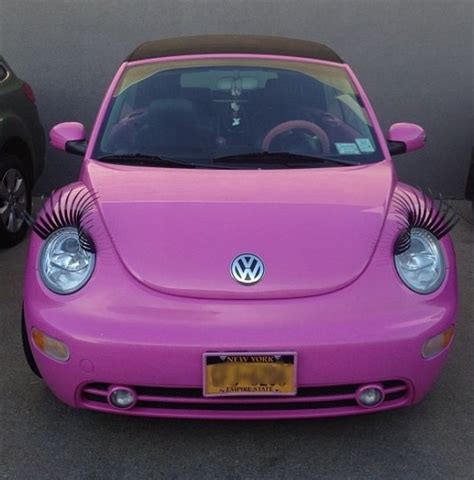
(65, 266)
(422, 267)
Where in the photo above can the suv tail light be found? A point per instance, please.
(28, 91)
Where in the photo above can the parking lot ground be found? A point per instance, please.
(41, 438)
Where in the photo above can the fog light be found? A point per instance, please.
(369, 396)
(49, 346)
(437, 343)
(122, 397)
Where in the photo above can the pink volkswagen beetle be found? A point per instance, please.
(238, 245)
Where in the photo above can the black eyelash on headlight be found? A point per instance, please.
(66, 210)
(419, 211)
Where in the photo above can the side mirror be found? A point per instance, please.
(405, 137)
(70, 137)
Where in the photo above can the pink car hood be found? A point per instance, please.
(178, 230)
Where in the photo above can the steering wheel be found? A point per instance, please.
(300, 125)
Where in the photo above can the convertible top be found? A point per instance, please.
(251, 44)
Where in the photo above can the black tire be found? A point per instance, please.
(10, 162)
(27, 348)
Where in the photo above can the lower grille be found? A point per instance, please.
(337, 397)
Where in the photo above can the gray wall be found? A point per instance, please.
(414, 58)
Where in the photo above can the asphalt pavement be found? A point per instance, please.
(41, 438)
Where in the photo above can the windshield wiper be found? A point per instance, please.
(143, 160)
(281, 158)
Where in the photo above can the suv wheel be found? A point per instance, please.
(15, 198)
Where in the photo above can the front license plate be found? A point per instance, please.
(258, 373)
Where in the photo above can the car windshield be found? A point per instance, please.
(236, 113)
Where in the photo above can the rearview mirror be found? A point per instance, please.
(69, 137)
(405, 137)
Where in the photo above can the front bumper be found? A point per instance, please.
(156, 342)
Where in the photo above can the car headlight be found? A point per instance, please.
(65, 266)
(422, 267)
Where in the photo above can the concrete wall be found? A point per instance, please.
(414, 58)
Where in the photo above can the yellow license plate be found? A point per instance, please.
(249, 374)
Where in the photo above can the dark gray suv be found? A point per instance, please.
(22, 147)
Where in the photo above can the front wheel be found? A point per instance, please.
(27, 348)
(15, 199)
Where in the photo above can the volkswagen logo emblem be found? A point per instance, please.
(247, 269)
